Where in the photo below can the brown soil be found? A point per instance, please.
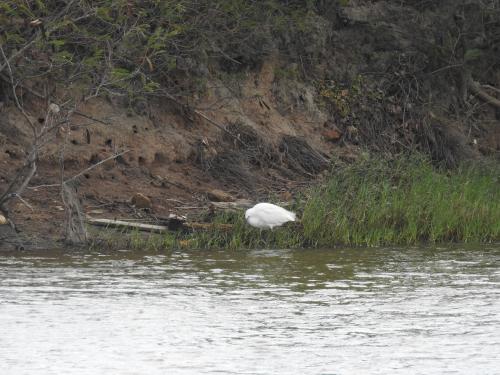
(173, 158)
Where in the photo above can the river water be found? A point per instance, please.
(358, 311)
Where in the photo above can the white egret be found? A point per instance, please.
(268, 216)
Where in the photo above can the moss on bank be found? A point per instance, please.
(373, 202)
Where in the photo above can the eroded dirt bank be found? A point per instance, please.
(174, 159)
(370, 76)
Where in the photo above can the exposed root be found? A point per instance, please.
(301, 157)
(235, 159)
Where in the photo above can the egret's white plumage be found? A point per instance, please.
(268, 216)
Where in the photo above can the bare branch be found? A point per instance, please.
(94, 166)
(91, 118)
(16, 99)
(476, 89)
(18, 52)
(491, 88)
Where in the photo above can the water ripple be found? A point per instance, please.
(364, 311)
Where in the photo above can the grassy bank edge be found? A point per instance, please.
(374, 202)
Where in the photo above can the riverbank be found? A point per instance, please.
(402, 201)
(373, 202)
(140, 112)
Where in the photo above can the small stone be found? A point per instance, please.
(217, 195)
(141, 201)
(3, 220)
(54, 108)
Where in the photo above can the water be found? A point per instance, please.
(368, 311)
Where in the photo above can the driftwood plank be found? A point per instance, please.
(239, 204)
(126, 224)
(156, 228)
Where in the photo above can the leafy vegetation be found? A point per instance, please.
(139, 48)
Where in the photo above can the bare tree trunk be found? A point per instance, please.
(74, 225)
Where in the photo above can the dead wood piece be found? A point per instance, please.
(108, 223)
(220, 196)
(239, 204)
(476, 89)
(75, 232)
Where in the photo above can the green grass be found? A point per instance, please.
(371, 203)
(404, 202)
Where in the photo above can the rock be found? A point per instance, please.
(141, 201)
(217, 195)
(3, 220)
(53, 107)
(331, 135)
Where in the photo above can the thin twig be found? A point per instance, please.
(21, 50)
(446, 68)
(43, 186)
(95, 165)
(15, 195)
(208, 119)
(491, 88)
(16, 99)
(90, 117)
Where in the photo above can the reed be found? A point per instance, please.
(405, 201)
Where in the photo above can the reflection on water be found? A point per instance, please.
(373, 311)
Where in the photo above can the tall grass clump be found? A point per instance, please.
(243, 236)
(404, 201)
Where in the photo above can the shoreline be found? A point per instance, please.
(374, 202)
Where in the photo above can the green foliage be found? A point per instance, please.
(405, 201)
(143, 47)
(339, 97)
(244, 236)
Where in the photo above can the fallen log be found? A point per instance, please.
(109, 223)
(239, 204)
